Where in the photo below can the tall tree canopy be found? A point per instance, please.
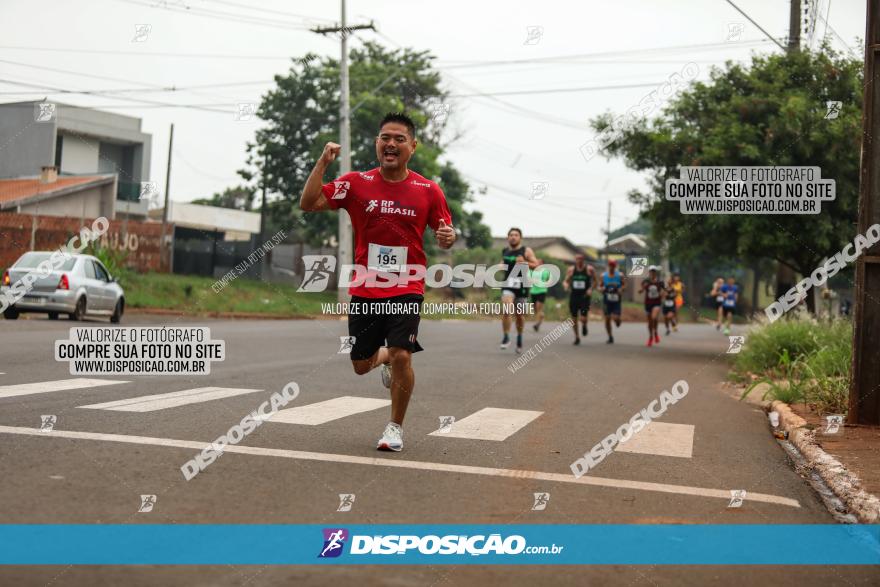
(771, 112)
(302, 114)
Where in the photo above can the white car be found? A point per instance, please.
(80, 287)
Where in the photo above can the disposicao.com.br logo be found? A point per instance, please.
(319, 268)
(334, 540)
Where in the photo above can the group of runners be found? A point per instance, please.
(725, 296)
(390, 208)
(660, 297)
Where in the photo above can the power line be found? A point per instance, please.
(269, 10)
(558, 90)
(839, 38)
(740, 10)
(147, 90)
(105, 93)
(127, 99)
(507, 106)
(570, 59)
(219, 15)
(525, 199)
(146, 53)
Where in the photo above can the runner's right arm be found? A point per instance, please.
(313, 199)
(566, 284)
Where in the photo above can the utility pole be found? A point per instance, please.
(608, 223)
(864, 393)
(263, 204)
(785, 276)
(344, 255)
(794, 26)
(263, 260)
(607, 229)
(165, 254)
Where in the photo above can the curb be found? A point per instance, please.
(840, 480)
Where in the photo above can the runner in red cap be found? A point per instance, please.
(611, 285)
(390, 206)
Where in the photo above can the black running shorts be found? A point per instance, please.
(579, 305)
(378, 322)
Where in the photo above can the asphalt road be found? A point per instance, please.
(566, 399)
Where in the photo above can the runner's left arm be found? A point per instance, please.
(440, 221)
(530, 257)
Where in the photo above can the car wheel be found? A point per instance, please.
(10, 314)
(80, 312)
(117, 313)
(53, 315)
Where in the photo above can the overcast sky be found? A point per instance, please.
(510, 140)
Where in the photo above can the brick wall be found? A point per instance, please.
(140, 240)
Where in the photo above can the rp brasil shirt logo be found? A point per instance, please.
(395, 207)
(334, 542)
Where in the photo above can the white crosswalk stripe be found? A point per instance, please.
(51, 386)
(490, 424)
(175, 399)
(662, 439)
(327, 411)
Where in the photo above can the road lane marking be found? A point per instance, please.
(175, 399)
(403, 464)
(50, 386)
(327, 411)
(490, 424)
(663, 439)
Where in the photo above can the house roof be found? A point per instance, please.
(21, 190)
(638, 239)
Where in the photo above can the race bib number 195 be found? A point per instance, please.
(386, 258)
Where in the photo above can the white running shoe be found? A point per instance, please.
(392, 438)
(386, 375)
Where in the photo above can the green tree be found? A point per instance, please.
(239, 198)
(302, 114)
(771, 112)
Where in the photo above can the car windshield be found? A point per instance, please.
(32, 260)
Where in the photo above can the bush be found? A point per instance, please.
(801, 360)
(800, 338)
(114, 261)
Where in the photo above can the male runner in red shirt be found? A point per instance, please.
(390, 206)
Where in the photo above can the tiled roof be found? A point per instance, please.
(29, 187)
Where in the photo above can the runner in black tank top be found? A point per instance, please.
(514, 284)
(514, 293)
(579, 283)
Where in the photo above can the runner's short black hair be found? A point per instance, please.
(516, 229)
(400, 118)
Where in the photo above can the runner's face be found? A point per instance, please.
(513, 239)
(394, 146)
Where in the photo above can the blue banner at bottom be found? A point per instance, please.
(524, 544)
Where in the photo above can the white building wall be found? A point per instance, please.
(79, 154)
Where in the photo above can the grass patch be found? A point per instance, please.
(801, 360)
(193, 294)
